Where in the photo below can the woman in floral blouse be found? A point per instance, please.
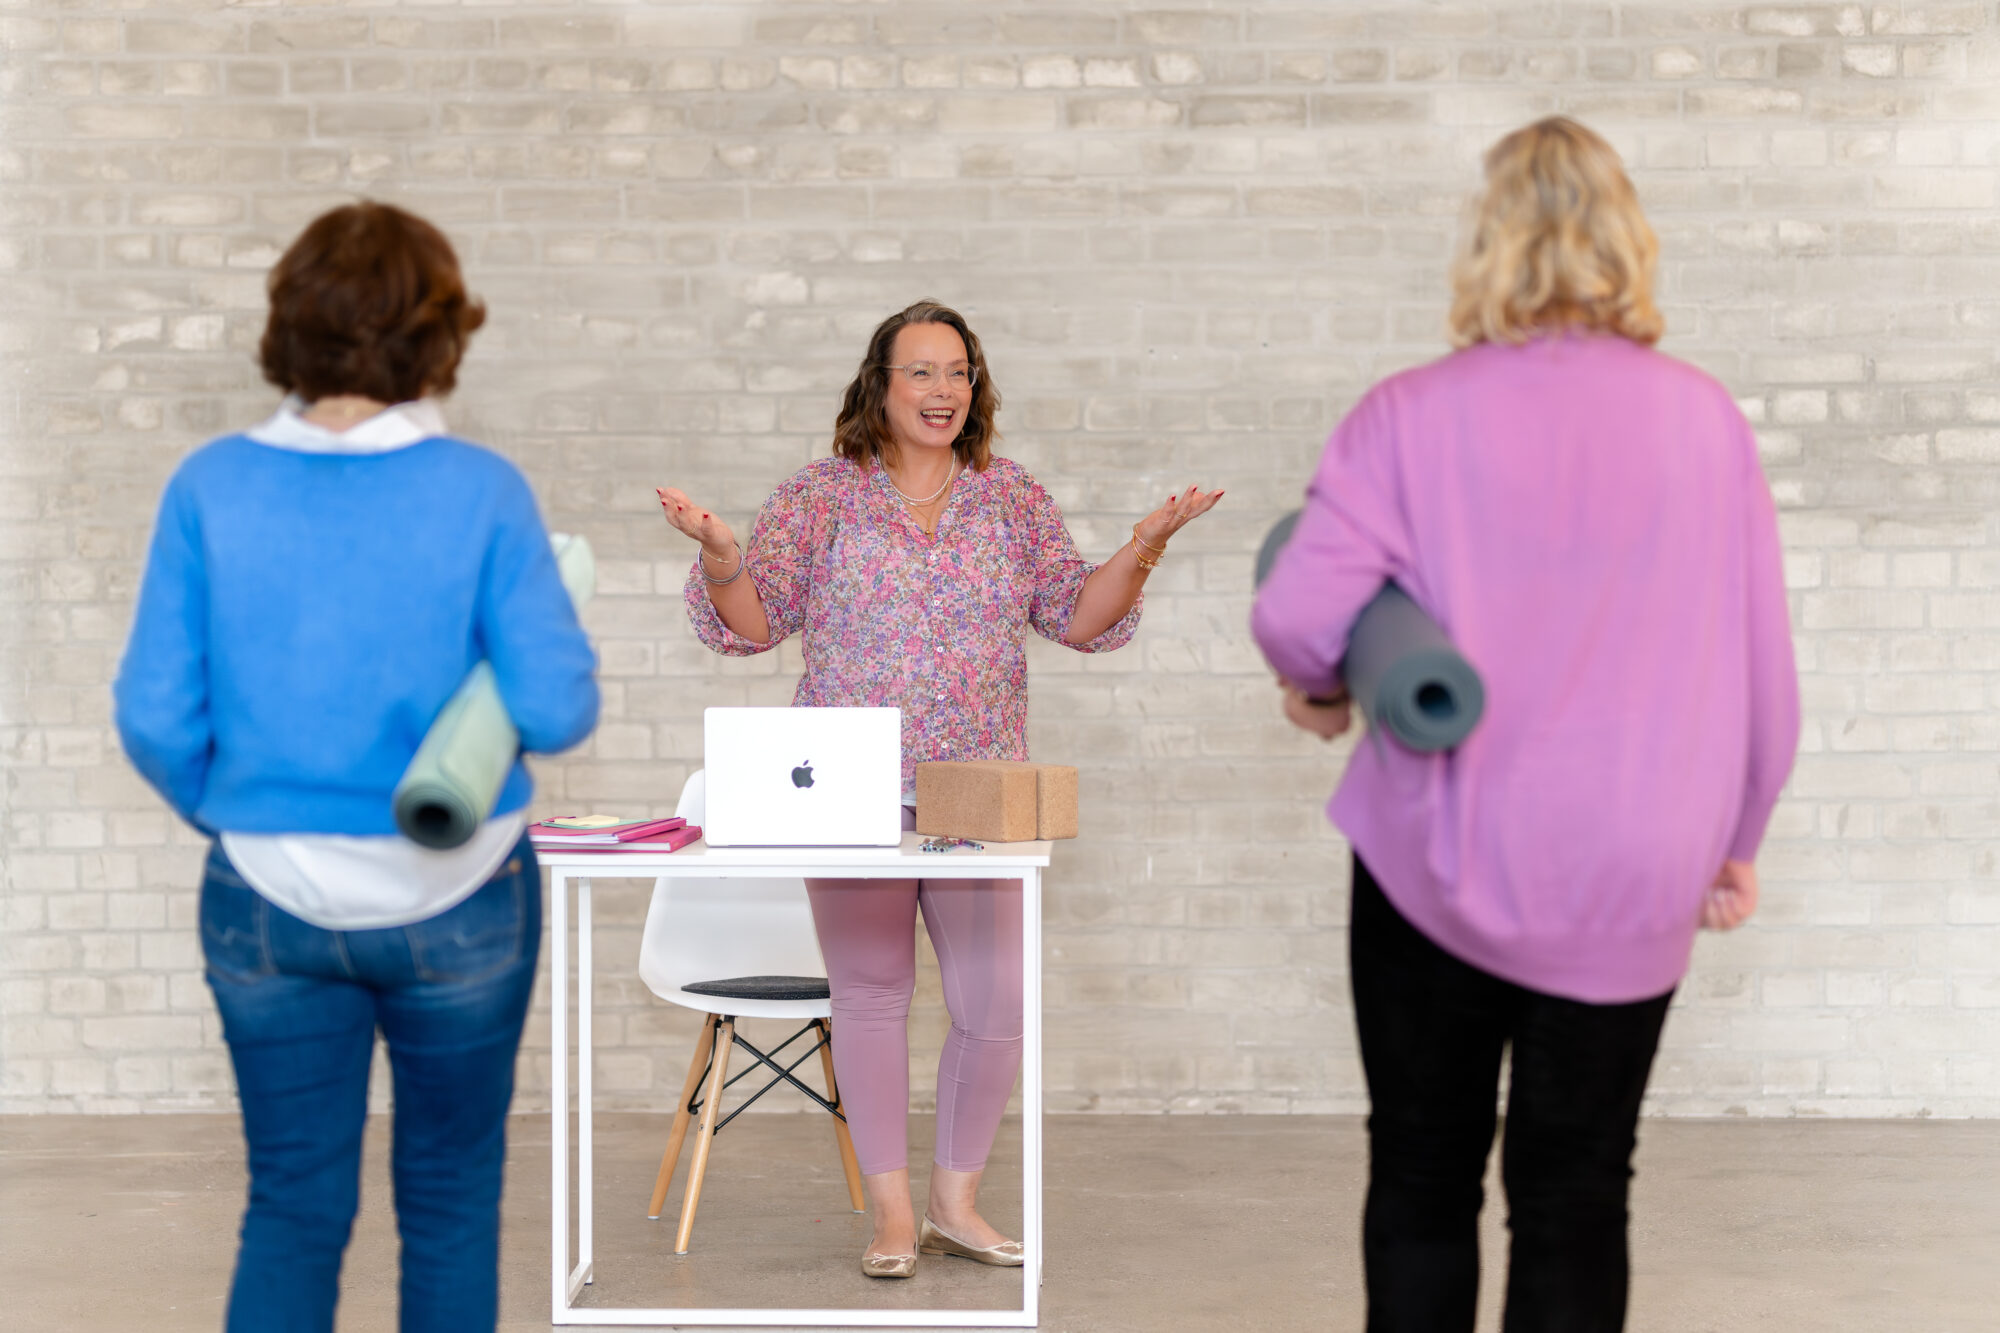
(915, 561)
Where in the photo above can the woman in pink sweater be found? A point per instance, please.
(1587, 521)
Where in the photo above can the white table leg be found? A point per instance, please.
(1031, 1092)
(585, 1176)
(559, 1090)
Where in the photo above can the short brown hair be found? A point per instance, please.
(861, 431)
(1557, 240)
(368, 301)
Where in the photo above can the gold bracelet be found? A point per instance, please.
(1156, 550)
(1147, 565)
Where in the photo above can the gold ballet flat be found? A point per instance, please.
(889, 1265)
(930, 1240)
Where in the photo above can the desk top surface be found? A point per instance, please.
(698, 857)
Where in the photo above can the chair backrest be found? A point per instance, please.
(708, 929)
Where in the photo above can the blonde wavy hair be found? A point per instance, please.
(1556, 240)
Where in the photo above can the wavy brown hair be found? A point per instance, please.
(861, 431)
(1556, 241)
(368, 301)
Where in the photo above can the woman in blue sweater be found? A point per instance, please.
(316, 589)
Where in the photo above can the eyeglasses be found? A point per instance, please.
(929, 374)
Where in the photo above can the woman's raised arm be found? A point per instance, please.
(1107, 595)
(734, 597)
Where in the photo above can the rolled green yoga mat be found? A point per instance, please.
(449, 788)
(1400, 669)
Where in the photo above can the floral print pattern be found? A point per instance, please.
(933, 624)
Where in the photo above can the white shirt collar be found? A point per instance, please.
(392, 428)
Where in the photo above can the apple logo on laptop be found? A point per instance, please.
(802, 776)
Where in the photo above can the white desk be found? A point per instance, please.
(1000, 860)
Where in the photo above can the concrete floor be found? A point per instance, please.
(1154, 1223)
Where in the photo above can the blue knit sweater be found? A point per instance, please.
(304, 617)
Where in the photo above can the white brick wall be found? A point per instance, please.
(1191, 237)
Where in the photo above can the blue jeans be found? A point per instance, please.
(300, 1007)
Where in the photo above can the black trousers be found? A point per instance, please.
(1432, 1031)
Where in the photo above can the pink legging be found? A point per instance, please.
(867, 933)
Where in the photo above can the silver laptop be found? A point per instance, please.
(803, 777)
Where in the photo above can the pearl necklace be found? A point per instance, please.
(912, 500)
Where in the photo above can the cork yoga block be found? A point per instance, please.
(996, 800)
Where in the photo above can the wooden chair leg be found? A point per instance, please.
(840, 1135)
(725, 1043)
(703, 1044)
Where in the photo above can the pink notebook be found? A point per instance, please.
(670, 841)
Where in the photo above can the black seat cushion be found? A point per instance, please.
(762, 988)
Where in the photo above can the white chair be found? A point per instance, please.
(730, 949)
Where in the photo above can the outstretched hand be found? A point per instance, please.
(1175, 514)
(701, 524)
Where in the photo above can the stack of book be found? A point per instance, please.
(608, 833)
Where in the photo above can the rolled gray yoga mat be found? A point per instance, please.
(1400, 669)
(451, 785)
